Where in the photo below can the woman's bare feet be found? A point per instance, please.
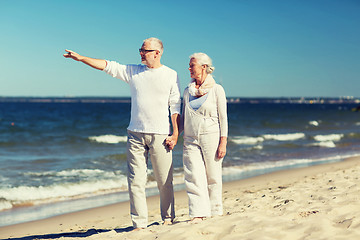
(137, 229)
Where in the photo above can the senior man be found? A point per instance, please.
(154, 90)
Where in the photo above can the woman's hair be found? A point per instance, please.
(156, 44)
(204, 59)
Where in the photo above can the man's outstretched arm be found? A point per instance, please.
(99, 64)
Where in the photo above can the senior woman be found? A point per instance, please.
(204, 121)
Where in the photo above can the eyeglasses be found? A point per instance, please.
(145, 50)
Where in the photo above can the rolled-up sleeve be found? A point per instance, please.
(222, 111)
(174, 98)
(117, 70)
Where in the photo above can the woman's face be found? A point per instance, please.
(195, 69)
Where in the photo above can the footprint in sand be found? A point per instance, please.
(344, 223)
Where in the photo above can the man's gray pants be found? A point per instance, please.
(139, 147)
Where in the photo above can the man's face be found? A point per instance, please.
(147, 57)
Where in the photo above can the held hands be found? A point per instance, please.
(73, 55)
(171, 141)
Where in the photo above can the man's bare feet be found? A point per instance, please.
(167, 222)
(196, 220)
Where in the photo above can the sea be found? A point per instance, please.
(60, 155)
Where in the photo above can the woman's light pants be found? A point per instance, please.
(203, 175)
(139, 146)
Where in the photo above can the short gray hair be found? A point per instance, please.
(156, 44)
(204, 59)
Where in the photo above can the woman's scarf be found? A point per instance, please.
(203, 89)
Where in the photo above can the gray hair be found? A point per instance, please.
(204, 59)
(156, 44)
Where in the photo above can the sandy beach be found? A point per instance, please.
(317, 202)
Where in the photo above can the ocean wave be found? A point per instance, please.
(111, 139)
(328, 144)
(258, 147)
(82, 173)
(283, 164)
(30, 195)
(94, 182)
(248, 140)
(245, 140)
(284, 137)
(263, 165)
(330, 137)
(354, 135)
(314, 123)
(253, 147)
(4, 204)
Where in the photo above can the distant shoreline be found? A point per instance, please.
(250, 100)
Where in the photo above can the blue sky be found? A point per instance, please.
(260, 48)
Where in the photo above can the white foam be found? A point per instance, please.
(284, 137)
(314, 123)
(95, 182)
(328, 144)
(84, 173)
(258, 147)
(268, 165)
(330, 137)
(64, 191)
(5, 205)
(111, 139)
(263, 166)
(247, 140)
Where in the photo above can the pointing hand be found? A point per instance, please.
(72, 54)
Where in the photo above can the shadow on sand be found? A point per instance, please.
(80, 234)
